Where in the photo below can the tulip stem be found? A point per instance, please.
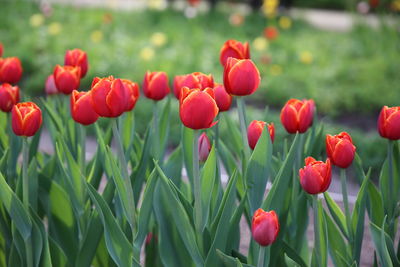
(156, 135)
(346, 202)
(25, 196)
(216, 133)
(390, 189)
(197, 185)
(82, 132)
(317, 244)
(242, 120)
(261, 256)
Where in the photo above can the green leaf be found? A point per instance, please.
(337, 214)
(173, 166)
(375, 204)
(378, 238)
(291, 253)
(230, 261)
(187, 145)
(208, 176)
(164, 124)
(321, 245)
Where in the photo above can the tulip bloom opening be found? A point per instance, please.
(82, 110)
(204, 147)
(235, 49)
(155, 85)
(340, 149)
(67, 78)
(389, 123)
(10, 70)
(193, 80)
(9, 96)
(265, 227)
(254, 132)
(26, 119)
(297, 115)
(316, 176)
(223, 99)
(77, 58)
(241, 77)
(197, 108)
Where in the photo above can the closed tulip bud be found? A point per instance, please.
(155, 85)
(389, 123)
(26, 119)
(197, 108)
(316, 176)
(50, 86)
(193, 80)
(223, 99)
(67, 78)
(82, 110)
(265, 227)
(1, 49)
(133, 93)
(9, 96)
(241, 77)
(340, 149)
(297, 115)
(204, 147)
(255, 129)
(77, 58)
(235, 49)
(110, 97)
(10, 70)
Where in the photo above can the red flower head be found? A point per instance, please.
(340, 149)
(26, 119)
(110, 97)
(133, 92)
(50, 86)
(241, 77)
(223, 99)
(9, 96)
(77, 58)
(10, 70)
(255, 129)
(235, 49)
(271, 33)
(297, 115)
(197, 108)
(67, 78)
(204, 147)
(389, 123)
(155, 85)
(316, 176)
(82, 110)
(193, 80)
(265, 227)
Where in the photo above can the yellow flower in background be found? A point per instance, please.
(260, 44)
(306, 57)
(36, 20)
(96, 36)
(147, 54)
(285, 22)
(156, 4)
(158, 39)
(54, 28)
(276, 70)
(269, 7)
(395, 5)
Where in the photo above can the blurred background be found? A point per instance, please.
(345, 54)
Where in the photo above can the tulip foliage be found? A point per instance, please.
(226, 195)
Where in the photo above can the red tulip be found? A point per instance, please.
(133, 92)
(26, 119)
(297, 116)
(235, 49)
(110, 97)
(340, 149)
(389, 123)
(193, 80)
(271, 33)
(197, 108)
(254, 132)
(1, 49)
(67, 78)
(316, 176)
(155, 85)
(241, 77)
(77, 58)
(204, 147)
(265, 227)
(10, 70)
(223, 99)
(82, 110)
(50, 86)
(9, 96)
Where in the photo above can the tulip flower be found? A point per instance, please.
(110, 96)
(204, 147)
(241, 77)
(155, 85)
(340, 149)
(67, 78)
(133, 93)
(50, 86)
(197, 108)
(82, 110)
(193, 80)
(9, 96)
(235, 49)
(255, 129)
(316, 176)
(26, 119)
(264, 227)
(1, 49)
(223, 99)
(77, 58)
(297, 115)
(389, 123)
(10, 70)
